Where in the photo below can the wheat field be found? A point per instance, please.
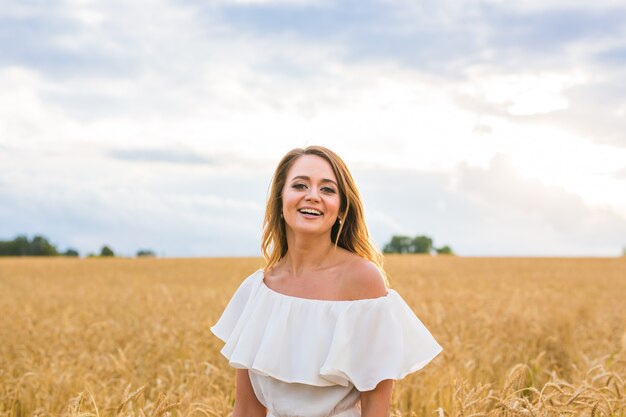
(130, 337)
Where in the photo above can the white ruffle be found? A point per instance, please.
(323, 342)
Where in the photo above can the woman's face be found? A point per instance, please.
(311, 183)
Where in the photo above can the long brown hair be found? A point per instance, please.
(351, 234)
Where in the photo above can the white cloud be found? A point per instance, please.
(542, 6)
(149, 107)
(275, 2)
(523, 93)
(549, 211)
(491, 210)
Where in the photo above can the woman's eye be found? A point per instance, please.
(325, 189)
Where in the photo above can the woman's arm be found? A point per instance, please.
(365, 280)
(375, 403)
(246, 402)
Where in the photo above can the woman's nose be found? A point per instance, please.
(312, 194)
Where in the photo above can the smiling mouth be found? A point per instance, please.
(310, 215)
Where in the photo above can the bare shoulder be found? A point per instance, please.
(362, 279)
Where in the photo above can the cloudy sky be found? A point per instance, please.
(496, 127)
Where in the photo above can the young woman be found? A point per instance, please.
(317, 332)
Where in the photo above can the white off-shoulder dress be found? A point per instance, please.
(312, 358)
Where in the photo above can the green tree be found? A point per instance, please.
(71, 252)
(421, 244)
(145, 252)
(21, 246)
(444, 250)
(41, 247)
(398, 244)
(107, 251)
(16, 247)
(417, 244)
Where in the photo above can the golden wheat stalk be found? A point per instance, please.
(129, 397)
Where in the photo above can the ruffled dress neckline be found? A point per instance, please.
(322, 342)
(315, 300)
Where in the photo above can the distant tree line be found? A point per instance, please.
(417, 244)
(40, 246)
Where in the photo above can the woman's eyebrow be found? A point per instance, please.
(304, 177)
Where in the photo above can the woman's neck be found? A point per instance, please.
(310, 254)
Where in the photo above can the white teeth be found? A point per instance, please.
(312, 211)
